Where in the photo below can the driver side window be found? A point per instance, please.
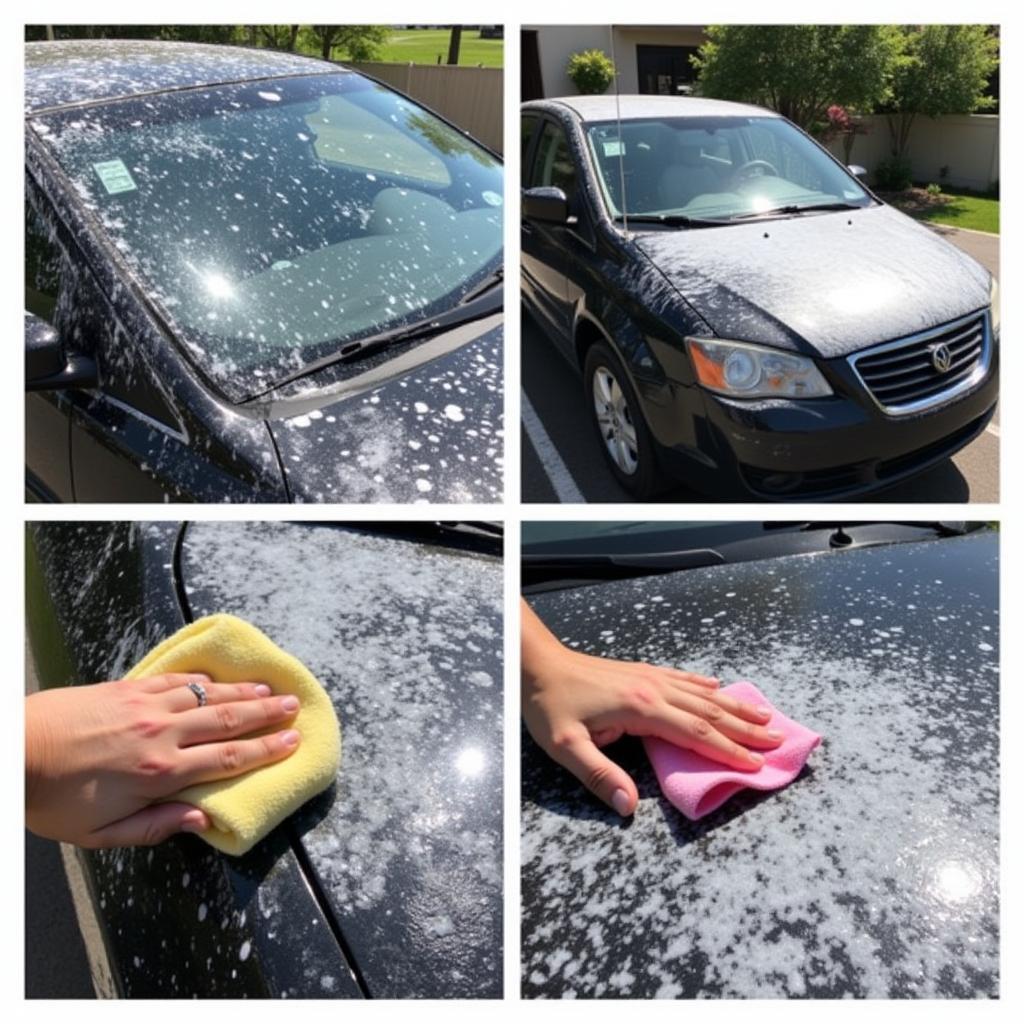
(553, 164)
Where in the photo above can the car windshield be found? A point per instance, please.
(275, 221)
(717, 168)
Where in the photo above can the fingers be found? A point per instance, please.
(238, 718)
(698, 734)
(209, 761)
(759, 714)
(752, 713)
(678, 675)
(178, 697)
(170, 681)
(720, 712)
(602, 776)
(149, 826)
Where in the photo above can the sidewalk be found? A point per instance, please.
(983, 247)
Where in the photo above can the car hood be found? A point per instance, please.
(874, 874)
(406, 637)
(823, 283)
(432, 435)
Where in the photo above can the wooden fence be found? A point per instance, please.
(469, 97)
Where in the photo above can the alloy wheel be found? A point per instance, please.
(614, 420)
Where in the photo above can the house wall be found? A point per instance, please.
(469, 97)
(627, 38)
(968, 144)
(557, 43)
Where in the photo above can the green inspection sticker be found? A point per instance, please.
(115, 177)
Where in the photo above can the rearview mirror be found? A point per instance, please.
(546, 203)
(856, 170)
(47, 368)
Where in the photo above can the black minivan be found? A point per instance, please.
(747, 316)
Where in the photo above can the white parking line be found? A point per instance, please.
(558, 473)
(992, 429)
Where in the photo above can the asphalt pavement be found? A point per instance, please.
(562, 461)
(56, 963)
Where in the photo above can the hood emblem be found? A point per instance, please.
(942, 358)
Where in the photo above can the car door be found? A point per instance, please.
(98, 597)
(47, 439)
(547, 248)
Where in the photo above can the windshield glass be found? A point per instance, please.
(715, 167)
(275, 221)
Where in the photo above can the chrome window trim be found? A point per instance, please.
(149, 421)
(979, 373)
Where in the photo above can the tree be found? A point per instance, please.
(363, 42)
(279, 37)
(944, 70)
(454, 42)
(799, 70)
(357, 42)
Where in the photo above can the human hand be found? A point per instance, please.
(97, 758)
(574, 703)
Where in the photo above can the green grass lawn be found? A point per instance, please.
(422, 45)
(955, 207)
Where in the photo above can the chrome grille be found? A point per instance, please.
(904, 376)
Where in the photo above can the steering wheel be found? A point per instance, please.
(742, 171)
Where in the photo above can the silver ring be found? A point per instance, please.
(200, 692)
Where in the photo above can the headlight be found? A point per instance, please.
(993, 301)
(741, 370)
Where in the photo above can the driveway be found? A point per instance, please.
(561, 461)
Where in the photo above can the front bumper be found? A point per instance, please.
(831, 448)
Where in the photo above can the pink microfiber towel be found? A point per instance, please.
(698, 786)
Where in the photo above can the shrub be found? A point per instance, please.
(590, 71)
(934, 190)
(893, 175)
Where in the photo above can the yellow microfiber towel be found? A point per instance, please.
(244, 809)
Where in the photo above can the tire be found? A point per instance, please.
(620, 425)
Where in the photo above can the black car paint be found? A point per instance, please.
(642, 293)
(155, 429)
(874, 874)
(425, 430)
(182, 920)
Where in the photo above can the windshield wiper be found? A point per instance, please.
(674, 220)
(474, 307)
(489, 282)
(587, 566)
(943, 527)
(793, 208)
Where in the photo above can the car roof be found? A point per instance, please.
(631, 108)
(77, 71)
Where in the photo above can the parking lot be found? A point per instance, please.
(562, 461)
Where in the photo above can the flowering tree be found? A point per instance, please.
(841, 125)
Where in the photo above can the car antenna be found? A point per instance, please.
(618, 128)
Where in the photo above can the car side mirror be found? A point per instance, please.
(47, 367)
(857, 171)
(546, 203)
